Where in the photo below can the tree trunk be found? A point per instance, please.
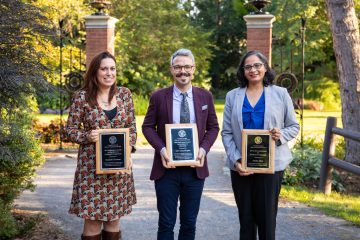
(346, 43)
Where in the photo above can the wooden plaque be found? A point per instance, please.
(113, 151)
(258, 151)
(182, 144)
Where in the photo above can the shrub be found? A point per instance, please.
(8, 227)
(305, 167)
(325, 91)
(141, 104)
(20, 154)
(50, 133)
(22, 74)
(321, 94)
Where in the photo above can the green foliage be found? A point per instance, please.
(141, 104)
(320, 66)
(318, 48)
(72, 14)
(48, 100)
(19, 60)
(21, 73)
(148, 32)
(224, 20)
(20, 154)
(325, 91)
(7, 222)
(51, 100)
(14, 225)
(340, 147)
(305, 167)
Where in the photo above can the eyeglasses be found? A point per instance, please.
(178, 68)
(256, 66)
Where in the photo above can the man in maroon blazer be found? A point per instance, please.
(180, 103)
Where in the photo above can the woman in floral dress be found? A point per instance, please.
(100, 199)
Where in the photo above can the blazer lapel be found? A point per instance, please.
(239, 102)
(169, 103)
(267, 107)
(197, 105)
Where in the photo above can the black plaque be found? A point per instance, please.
(113, 151)
(182, 144)
(258, 150)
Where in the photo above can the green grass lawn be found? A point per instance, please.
(338, 205)
(315, 121)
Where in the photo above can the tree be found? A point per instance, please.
(148, 32)
(22, 29)
(71, 14)
(346, 40)
(224, 20)
(286, 30)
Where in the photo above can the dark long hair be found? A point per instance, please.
(269, 74)
(91, 85)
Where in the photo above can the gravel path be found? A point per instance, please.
(218, 214)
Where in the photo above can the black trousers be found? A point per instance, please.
(257, 198)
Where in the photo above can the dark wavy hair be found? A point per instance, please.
(269, 75)
(91, 85)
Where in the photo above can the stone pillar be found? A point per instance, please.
(259, 33)
(100, 35)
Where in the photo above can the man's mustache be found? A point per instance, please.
(183, 74)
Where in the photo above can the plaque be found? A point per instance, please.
(113, 151)
(182, 144)
(258, 151)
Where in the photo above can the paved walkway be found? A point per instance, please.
(218, 214)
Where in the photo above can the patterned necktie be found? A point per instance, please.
(184, 110)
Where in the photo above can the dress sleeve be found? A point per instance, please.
(74, 127)
(130, 118)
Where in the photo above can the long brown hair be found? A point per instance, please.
(91, 85)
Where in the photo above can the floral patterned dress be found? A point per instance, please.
(102, 197)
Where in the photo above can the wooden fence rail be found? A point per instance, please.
(328, 159)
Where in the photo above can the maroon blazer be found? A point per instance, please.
(160, 112)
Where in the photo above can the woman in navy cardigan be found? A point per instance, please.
(257, 104)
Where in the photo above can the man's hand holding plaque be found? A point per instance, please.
(165, 159)
(201, 157)
(182, 147)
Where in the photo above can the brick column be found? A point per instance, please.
(259, 33)
(100, 35)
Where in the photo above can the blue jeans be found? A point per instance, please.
(179, 183)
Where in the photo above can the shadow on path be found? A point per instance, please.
(217, 219)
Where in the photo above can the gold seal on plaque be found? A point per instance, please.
(258, 140)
